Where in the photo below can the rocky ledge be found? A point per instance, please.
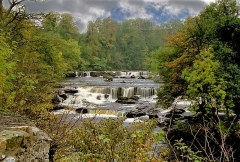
(20, 140)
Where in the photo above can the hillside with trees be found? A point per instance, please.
(123, 46)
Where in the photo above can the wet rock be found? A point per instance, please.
(187, 115)
(135, 98)
(70, 74)
(58, 107)
(82, 110)
(152, 113)
(106, 96)
(72, 91)
(98, 97)
(172, 115)
(57, 99)
(178, 111)
(63, 96)
(133, 76)
(95, 73)
(133, 114)
(141, 77)
(108, 78)
(113, 74)
(122, 98)
(126, 100)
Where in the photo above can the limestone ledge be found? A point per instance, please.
(24, 143)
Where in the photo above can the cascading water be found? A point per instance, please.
(147, 92)
(128, 92)
(94, 92)
(128, 74)
(86, 74)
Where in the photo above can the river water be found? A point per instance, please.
(94, 93)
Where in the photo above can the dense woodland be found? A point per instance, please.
(198, 59)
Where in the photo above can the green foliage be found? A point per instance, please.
(186, 153)
(182, 125)
(204, 86)
(6, 72)
(159, 58)
(125, 45)
(215, 79)
(109, 140)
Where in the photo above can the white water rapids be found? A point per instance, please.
(93, 93)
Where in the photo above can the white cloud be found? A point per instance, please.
(208, 1)
(89, 10)
(135, 10)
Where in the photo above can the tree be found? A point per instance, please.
(186, 46)
(222, 26)
(198, 33)
(204, 85)
(6, 72)
(67, 27)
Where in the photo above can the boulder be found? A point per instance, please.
(134, 98)
(108, 77)
(95, 73)
(106, 96)
(57, 99)
(126, 100)
(113, 74)
(72, 91)
(98, 97)
(82, 110)
(172, 115)
(178, 111)
(23, 142)
(58, 107)
(63, 96)
(141, 77)
(152, 113)
(133, 114)
(71, 74)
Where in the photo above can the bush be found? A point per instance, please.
(109, 140)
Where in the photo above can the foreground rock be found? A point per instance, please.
(20, 140)
(126, 100)
(151, 112)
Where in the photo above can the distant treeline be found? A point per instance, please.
(123, 46)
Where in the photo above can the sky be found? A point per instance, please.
(159, 11)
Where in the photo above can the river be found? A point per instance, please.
(99, 96)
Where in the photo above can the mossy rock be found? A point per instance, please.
(13, 139)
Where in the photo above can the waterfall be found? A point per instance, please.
(128, 92)
(76, 74)
(86, 74)
(146, 92)
(106, 90)
(135, 73)
(128, 74)
(144, 74)
(114, 92)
